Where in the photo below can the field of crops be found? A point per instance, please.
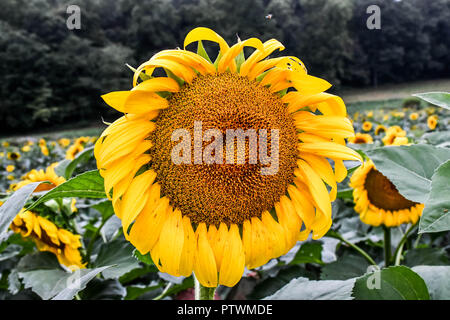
(70, 232)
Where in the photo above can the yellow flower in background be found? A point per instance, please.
(44, 148)
(10, 168)
(400, 141)
(414, 116)
(14, 156)
(380, 128)
(5, 144)
(392, 133)
(64, 142)
(217, 219)
(361, 138)
(367, 126)
(386, 117)
(49, 237)
(378, 201)
(26, 148)
(432, 122)
(41, 175)
(76, 147)
(2, 154)
(42, 142)
(10, 177)
(398, 114)
(370, 114)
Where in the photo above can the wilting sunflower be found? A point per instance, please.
(361, 138)
(432, 122)
(378, 201)
(41, 175)
(215, 218)
(49, 237)
(367, 126)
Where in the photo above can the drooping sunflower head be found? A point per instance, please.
(217, 166)
(378, 201)
(49, 237)
(361, 138)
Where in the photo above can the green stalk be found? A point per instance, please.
(203, 293)
(398, 251)
(354, 246)
(387, 246)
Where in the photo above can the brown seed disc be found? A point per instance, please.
(383, 194)
(230, 193)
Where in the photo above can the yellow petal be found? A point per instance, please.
(233, 262)
(189, 248)
(205, 268)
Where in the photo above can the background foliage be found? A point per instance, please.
(51, 75)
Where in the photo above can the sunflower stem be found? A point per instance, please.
(203, 293)
(398, 251)
(354, 246)
(387, 246)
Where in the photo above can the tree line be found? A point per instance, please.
(51, 75)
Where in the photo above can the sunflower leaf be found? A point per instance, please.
(436, 214)
(14, 204)
(393, 283)
(118, 253)
(83, 156)
(86, 185)
(202, 52)
(437, 279)
(410, 168)
(441, 99)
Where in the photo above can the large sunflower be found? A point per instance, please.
(213, 218)
(378, 201)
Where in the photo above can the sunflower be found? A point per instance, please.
(432, 122)
(10, 168)
(26, 148)
(361, 138)
(64, 142)
(400, 141)
(76, 147)
(44, 148)
(5, 144)
(49, 237)
(378, 201)
(41, 175)
(367, 126)
(392, 133)
(211, 217)
(380, 128)
(14, 156)
(414, 116)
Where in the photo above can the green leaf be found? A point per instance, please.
(437, 138)
(345, 194)
(60, 169)
(304, 289)
(202, 52)
(100, 289)
(134, 292)
(145, 258)
(81, 157)
(86, 185)
(410, 168)
(118, 253)
(441, 99)
(426, 256)
(105, 208)
(437, 279)
(346, 267)
(273, 283)
(393, 283)
(14, 204)
(436, 214)
(76, 281)
(309, 252)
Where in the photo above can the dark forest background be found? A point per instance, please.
(50, 75)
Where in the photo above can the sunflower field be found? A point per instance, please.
(357, 209)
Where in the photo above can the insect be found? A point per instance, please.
(269, 16)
